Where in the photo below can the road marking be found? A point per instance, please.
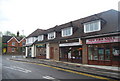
(13, 56)
(94, 76)
(48, 77)
(18, 69)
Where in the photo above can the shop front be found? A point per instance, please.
(41, 51)
(71, 51)
(104, 51)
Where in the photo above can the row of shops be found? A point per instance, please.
(91, 40)
(96, 51)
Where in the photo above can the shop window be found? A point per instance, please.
(90, 50)
(101, 53)
(116, 53)
(107, 54)
(95, 53)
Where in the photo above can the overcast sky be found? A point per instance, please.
(28, 15)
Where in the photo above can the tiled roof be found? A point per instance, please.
(35, 33)
(19, 38)
(6, 38)
(109, 23)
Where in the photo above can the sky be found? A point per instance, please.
(26, 16)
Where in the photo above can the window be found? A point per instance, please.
(92, 52)
(41, 38)
(67, 31)
(13, 49)
(13, 43)
(31, 40)
(23, 43)
(101, 53)
(116, 52)
(92, 26)
(51, 35)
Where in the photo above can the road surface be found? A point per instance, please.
(15, 70)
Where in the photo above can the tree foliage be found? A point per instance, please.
(0, 34)
(8, 33)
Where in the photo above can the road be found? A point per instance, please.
(22, 70)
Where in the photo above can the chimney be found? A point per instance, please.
(17, 33)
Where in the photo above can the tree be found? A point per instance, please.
(0, 34)
(22, 36)
(0, 42)
(8, 33)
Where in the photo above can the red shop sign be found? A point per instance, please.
(103, 40)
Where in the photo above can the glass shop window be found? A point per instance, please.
(116, 52)
(101, 53)
(95, 52)
(107, 52)
(90, 52)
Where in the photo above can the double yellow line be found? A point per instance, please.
(89, 75)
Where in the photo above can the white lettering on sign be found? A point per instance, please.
(70, 44)
(103, 40)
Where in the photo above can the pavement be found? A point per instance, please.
(105, 71)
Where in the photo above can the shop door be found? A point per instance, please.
(29, 52)
(108, 60)
(77, 56)
(104, 56)
(51, 52)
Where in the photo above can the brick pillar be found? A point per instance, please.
(84, 53)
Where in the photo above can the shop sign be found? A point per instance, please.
(70, 44)
(40, 45)
(103, 40)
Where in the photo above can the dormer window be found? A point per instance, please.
(41, 38)
(51, 35)
(92, 26)
(67, 32)
(30, 40)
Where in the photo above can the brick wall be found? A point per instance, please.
(84, 53)
(56, 50)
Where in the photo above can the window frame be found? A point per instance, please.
(23, 43)
(49, 34)
(40, 37)
(13, 43)
(65, 30)
(13, 49)
(98, 22)
(31, 40)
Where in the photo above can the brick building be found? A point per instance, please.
(13, 45)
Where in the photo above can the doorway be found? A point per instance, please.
(51, 52)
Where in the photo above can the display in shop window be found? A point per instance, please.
(107, 54)
(116, 52)
(101, 53)
(69, 55)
